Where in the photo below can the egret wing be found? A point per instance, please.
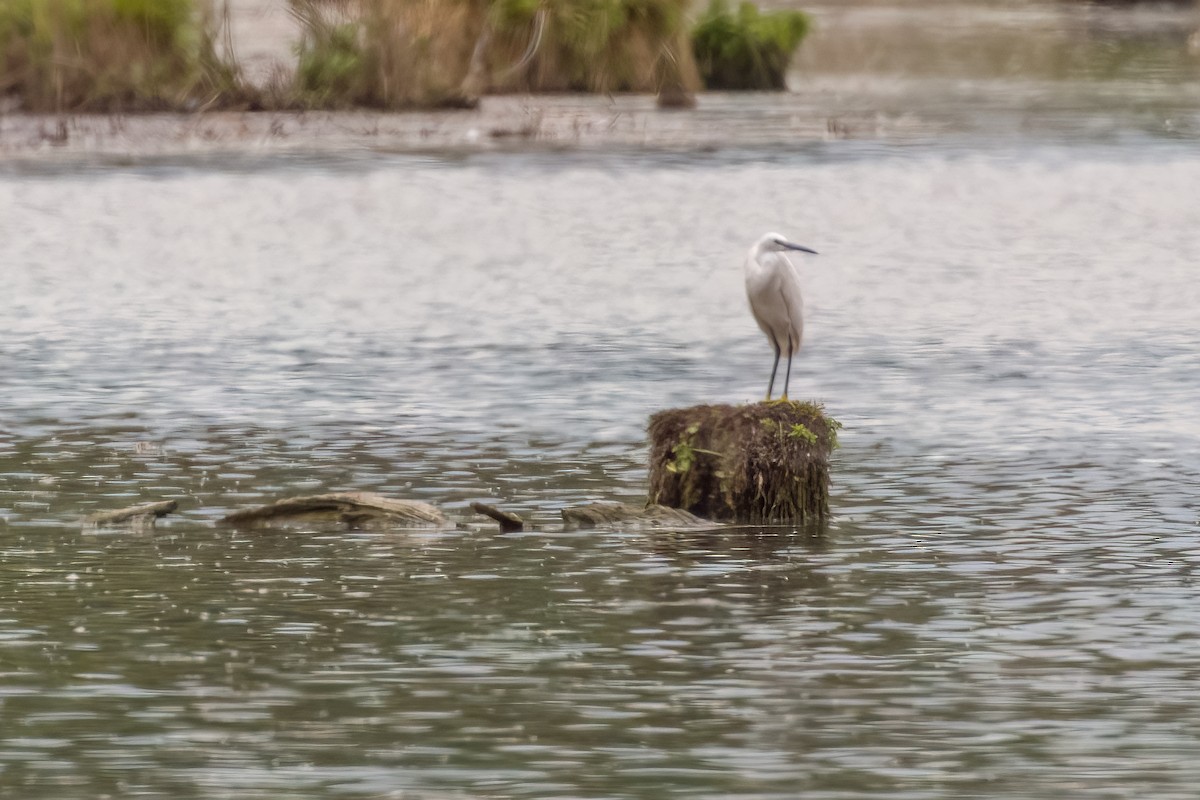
(793, 301)
(768, 307)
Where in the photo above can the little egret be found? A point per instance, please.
(773, 288)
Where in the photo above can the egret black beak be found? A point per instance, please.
(800, 247)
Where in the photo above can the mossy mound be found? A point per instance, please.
(759, 463)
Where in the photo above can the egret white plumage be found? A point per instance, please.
(773, 288)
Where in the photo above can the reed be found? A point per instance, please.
(429, 53)
(591, 45)
(383, 53)
(114, 55)
(145, 55)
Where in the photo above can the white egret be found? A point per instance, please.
(773, 288)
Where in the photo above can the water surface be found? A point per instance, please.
(1003, 605)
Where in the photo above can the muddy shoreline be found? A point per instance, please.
(500, 123)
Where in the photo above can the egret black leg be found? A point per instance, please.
(788, 375)
(774, 368)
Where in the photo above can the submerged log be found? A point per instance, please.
(759, 463)
(353, 509)
(653, 516)
(509, 522)
(139, 516)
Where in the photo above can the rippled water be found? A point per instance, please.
(1002, 607)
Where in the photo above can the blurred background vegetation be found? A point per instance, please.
(140, 55)
(108, 55)
(746, 49)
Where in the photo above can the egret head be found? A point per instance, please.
(777, 243)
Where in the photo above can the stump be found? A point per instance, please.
(760, 463)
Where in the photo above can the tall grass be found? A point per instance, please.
(131, 55)
(382, 53)
(746, 49)
(112, 55)
(405, 53)
(591, 45)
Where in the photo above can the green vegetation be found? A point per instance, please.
(800, 431)
(428, 53)
(590, 45)
(683, 451)
(113, 55)
(746, 49)
(138, 55)
(382, 53)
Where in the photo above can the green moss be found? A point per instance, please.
(746, 49)
(800, 431)
(684, 452)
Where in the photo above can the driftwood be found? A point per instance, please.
(509, 522)
(758, 463)
(624, 515)
(139, 516)
(352, 509)
(359, 510)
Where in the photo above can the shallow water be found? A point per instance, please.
(1003, 605)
